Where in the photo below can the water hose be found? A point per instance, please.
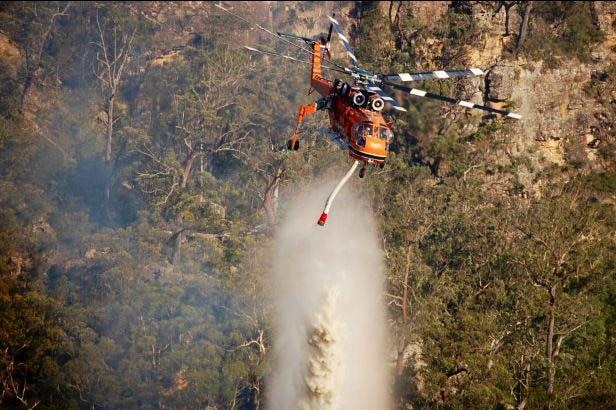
(332, 196)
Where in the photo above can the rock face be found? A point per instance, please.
(605, 12)
(500, 82)
(428, 12)
(9, 54)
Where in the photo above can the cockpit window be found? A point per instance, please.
(385, 133)
(363, 130)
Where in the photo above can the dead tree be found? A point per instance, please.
(114, 48)
(270, 195)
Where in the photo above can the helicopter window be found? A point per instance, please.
(385, 133)
(363, 130)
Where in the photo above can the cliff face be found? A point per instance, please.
(459, 205)
(563, 123)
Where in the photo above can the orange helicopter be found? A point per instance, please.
(355, 110)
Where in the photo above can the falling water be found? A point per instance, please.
(330, 329)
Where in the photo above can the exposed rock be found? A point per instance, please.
(167, 58)
(218, 210)
(500, 82)
(428, 12)
(9, 54)
(605, 12)
(553, 152)
(591, 141)
(90, 253)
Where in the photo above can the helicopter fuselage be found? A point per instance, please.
(354, 114)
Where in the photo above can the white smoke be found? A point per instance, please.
(330, 329)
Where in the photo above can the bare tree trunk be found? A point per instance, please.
(108, 159)
(523, 28)
(405, 295)
(179, 235)
(109, 128)
(112, 62)
(524, 383)
(177, 243)
(551, 351)
(190, 162)
(270, 197)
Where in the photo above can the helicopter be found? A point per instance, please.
(356, 108)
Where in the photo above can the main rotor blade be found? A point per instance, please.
(271, 53)
(430, 75)
(453, 101)
(375, 88)
(344, 41)
(284, 40)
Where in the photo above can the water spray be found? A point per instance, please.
(329, 350)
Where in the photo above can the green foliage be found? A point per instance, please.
(486, 130)
(96, 313)
(561, 29)
(603, 182)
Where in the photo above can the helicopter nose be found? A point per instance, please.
(375, 144)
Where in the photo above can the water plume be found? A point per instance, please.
(330, 324)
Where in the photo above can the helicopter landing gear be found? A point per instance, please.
(362, 172)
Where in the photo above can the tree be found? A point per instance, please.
(114, 50)
(206, 120)
(528, 5)
(558, 250)
(40, 26)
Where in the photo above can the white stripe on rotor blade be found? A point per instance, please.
(405, 77)
(352, 56)
(252, 49)
(420, 93)
(397, 107)
(333, 20)
(441, 74)
(476, 71)
(343, 37)
(466, 104)
(514, 115)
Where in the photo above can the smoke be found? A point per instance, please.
(330, 329)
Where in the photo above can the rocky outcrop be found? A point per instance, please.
(428, 12)
(605, 14)
(500, 82)
(10, 55)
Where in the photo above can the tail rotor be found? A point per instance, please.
(326, 42)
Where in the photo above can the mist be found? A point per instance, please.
(330, 335)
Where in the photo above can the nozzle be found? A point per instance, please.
(322, 219)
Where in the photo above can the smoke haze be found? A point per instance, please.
(330, 334)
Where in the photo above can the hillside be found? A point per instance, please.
(143, 177)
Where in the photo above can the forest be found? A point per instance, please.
(143, 174)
